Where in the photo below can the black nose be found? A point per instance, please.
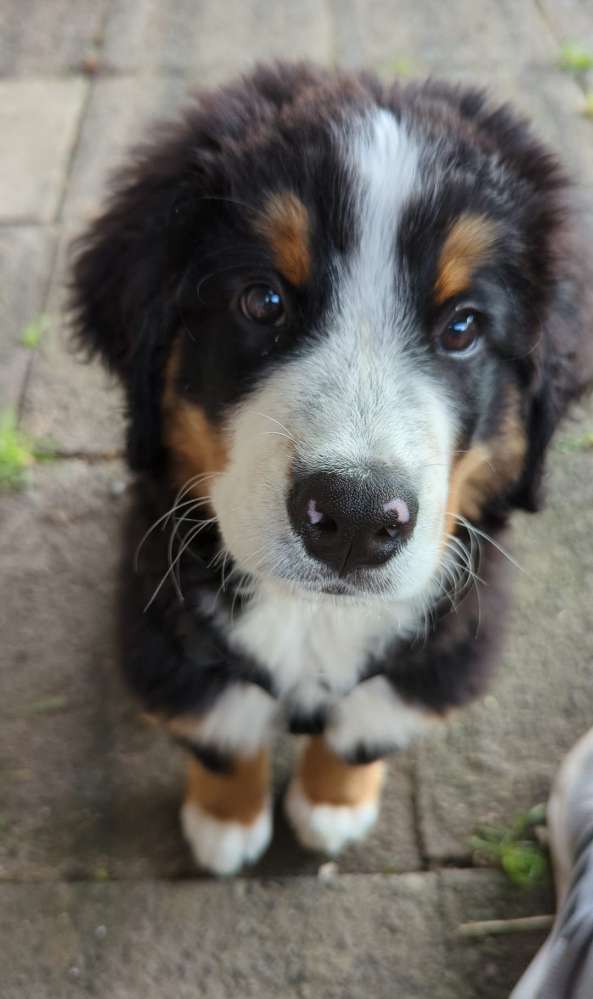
(351, 522)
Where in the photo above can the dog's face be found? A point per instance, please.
(351, 289)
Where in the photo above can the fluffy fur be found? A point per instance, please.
(381, 223)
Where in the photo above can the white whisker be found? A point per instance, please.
(472, 529)
(273, 419)
(171, 546)
(164, 517)
(191, 535)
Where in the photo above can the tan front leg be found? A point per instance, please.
(331, 802)
(226, 818)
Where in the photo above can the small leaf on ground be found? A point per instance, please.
(575, 59)
(46, 705)
(33, 332)
(525, 863)
(580, 442)
(515, 849)
(16, 453)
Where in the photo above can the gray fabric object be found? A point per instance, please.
(563, 968)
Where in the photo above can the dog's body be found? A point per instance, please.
(348, 319)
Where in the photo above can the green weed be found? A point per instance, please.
(575, 59)
(514, 849)
(33, 332)
(18, 452)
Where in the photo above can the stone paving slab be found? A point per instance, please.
(58, 551)
(88, 789)
(52, 36)
(396, 35)
(299, 939)
(78, 407)
(377, 936)
(26, 255)
(570, 20)
(497, 759)
(489, 967)
(207, 42)
(119, 113)
(41, 118)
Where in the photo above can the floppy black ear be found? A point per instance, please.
(127, 270)
(562, 362)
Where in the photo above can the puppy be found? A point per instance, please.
(348, 318)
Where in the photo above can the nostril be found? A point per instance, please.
(400, 508)
(388, 532)
(320, 520)
(315, 516)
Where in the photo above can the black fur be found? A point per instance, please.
(214, 760)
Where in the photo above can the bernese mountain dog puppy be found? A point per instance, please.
(348, 317)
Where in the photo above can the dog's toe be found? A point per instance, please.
(328, 828)
(225, 847)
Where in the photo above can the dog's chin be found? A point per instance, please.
(359, 587)
(292, 574)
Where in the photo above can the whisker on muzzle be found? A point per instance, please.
(478, 533)
(190, 537)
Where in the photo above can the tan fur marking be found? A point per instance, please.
(236, 797)
(196, 446)
(184, 726)
(487, 468)
(466, 492)
(284, 223)
(467, 246)
(327, 779)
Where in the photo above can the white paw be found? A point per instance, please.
(224, 847)
(328, 828)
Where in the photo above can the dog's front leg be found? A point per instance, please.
(335, 795)
(226, 816)
(332, 802)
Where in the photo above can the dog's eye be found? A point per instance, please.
(462, 332)
(262, 304)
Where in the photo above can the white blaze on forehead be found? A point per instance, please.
(384, 163)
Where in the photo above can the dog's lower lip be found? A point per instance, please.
(335, 591)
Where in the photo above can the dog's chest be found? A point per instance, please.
(315, 652)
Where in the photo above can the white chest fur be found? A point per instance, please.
(315, 649)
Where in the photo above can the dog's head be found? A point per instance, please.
(335, 308)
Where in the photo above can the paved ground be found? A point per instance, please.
(97, 892)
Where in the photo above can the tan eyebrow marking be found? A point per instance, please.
(285, 224)
(467, 246)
